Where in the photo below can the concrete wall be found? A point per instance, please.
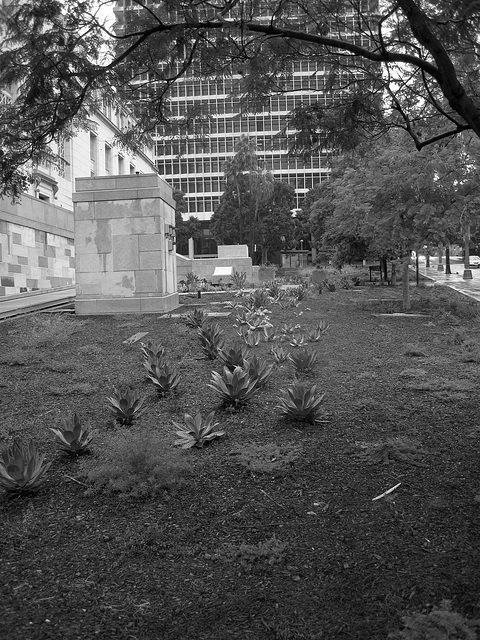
(204, 267)
(125, 259)
(36, 246)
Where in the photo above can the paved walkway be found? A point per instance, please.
(470, 288)
(15, 305)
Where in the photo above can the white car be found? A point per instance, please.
(474, 262)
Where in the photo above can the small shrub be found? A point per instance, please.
(272, 551)
(125, 405)
(234, 387)
(300, 403)
(329, 285)
(318, 332)
(191, 280)
(22, 469)
(136, 465)
(196, 432)
(440, 624)
(267, 458)
(239, 280)
(73, 439)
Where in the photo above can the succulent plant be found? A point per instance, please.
(232, 357)
(252, 338)
(153, 355)
(196, 432)
(279, 353)
(195, 318)
(22, 469)
(316, 334)
(235, 387)
(298, 340)
(259, 371)
(303, 360)
(73, 438)
(164, 377)
(300, 402)
(125, 405)
(211, 338)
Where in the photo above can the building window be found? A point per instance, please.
(121, 164)
(93, 154)
(108, 158)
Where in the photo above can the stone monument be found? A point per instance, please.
(125, 245)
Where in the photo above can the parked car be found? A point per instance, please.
(474, 262)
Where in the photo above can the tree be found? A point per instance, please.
(395, 200)
(409, 64)
(184, 229)
(277, 226)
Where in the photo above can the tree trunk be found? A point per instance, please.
(447, 259)
(406, 283)
(394, 274)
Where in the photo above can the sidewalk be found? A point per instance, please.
(470, 288)
(14, 305)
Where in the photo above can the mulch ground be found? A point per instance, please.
(297, 549)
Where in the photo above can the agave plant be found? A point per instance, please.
(72, 438)
(195, 318)
(269, 334)
(300, 402)
(252, 338)
(303, 360)
(22, 469)
(259, 371)
(153, 355)
(279, 353)
(235, 387)
(320, 330)
(298, 340)
(233, 356)
(125, 405)
(164, 377)
(211, 338)
(196, 432)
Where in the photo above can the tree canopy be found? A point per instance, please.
(254, 209)
(410, 64)
(392, 200)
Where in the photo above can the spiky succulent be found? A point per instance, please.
(125, 405)
(211, 339)
(22, 468)
(196, 432)
(234, 387)
(260, 371)
(301, 403)
(165, 378)
(252, 338)
(298, 340)
(72, 438)
(153, 356)
(303, 360)
(232, 357)
(195, 318)
(318, 332)
(279, 353)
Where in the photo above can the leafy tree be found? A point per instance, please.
(394, 200)
(277, 226)
(408, 64)
(184, 229)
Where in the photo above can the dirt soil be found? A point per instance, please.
(275, 532)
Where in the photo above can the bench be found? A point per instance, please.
(376, 268)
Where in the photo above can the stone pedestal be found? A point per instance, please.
(125, 256)
(467, 274)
